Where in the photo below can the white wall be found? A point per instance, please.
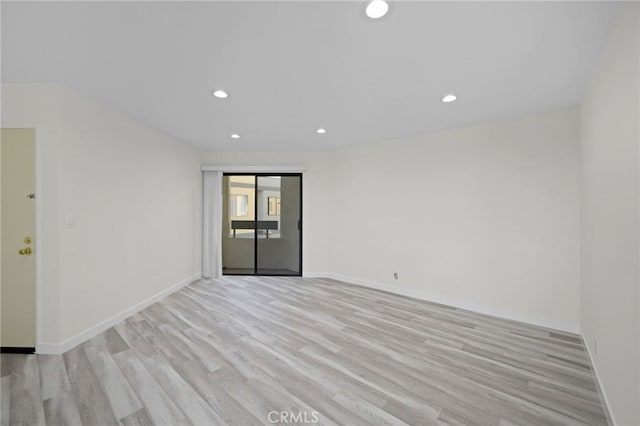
(485, 217)
(610, 125)
(135, 196)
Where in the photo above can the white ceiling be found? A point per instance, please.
(291, 67)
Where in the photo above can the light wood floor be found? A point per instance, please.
(235, 349)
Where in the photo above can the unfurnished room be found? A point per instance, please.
(367, 212)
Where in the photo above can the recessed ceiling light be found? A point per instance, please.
(377, 9)
(321, 131)
(220, 94)
(235, 136)
(449, 98)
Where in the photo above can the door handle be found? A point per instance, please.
(25, 251)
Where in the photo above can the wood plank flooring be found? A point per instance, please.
(238, 349)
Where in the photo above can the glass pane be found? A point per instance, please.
(238, 224)
(278, 222)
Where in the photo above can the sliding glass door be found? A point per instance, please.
(279, 227)
(262, 224)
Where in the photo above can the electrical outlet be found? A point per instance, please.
(595, 348)
(69, 221)
(395, 275)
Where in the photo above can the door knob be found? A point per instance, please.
(25, 251)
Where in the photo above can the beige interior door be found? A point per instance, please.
(18, 272)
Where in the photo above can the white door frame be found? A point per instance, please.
(38, 160)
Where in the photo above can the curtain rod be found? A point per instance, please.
(256, 169)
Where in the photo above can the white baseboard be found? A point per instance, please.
(60, 348)
(416, 294)
(48, 349)
(315, 274)
(603, 396)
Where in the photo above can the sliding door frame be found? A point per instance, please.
(255, 219)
